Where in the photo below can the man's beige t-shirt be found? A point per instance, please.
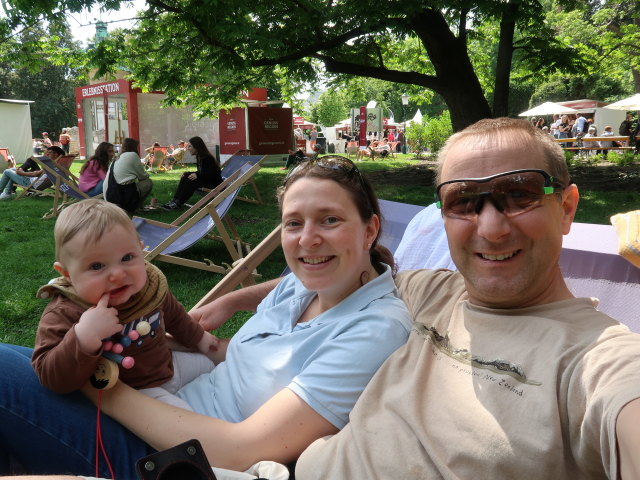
(484, 393)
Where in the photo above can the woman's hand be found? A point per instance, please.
(215, 313)
(192, 176)
(279, 430)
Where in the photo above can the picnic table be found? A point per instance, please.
(573, 140)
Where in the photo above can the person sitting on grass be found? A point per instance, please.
(94, 171)
(289, 376)
(127, 184)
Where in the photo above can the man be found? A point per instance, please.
(505, 374)
(626, 126)
(26, 174)
(579, 125)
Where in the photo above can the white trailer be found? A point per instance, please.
(15, 128)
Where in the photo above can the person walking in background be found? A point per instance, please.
(94, 170)
(65, 140)
(46, 141)
(207, 174)
(400, 146)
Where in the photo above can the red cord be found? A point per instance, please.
(99, 443)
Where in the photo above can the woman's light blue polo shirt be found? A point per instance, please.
(327, 361)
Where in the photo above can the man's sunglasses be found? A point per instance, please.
(511, 193)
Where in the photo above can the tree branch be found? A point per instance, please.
(413, 78)
(311, 50)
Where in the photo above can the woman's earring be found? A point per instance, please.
(369, 246)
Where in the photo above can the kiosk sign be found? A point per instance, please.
(100, 89)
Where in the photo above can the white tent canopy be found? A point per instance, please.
(417, 118)
(15, 128)
(630, 103)
(547, 108)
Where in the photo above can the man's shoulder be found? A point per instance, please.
(422, 285)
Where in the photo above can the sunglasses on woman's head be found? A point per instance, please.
(333, 163)
(339, 164)
(511, 193)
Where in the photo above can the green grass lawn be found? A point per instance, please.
(27, 248)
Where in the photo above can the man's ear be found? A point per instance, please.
(570, 198)
(58, 267)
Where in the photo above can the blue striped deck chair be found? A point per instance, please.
(162, 240)
(590, 262)
(234, 163)
(65, 186)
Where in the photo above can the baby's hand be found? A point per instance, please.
(95, 324)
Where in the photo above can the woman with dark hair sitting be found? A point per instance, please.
(94, 170)
(207, 174)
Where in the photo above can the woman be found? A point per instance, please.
(289, 376)
(65, 140)
(94, 170)
(127, 184)
(207, 175)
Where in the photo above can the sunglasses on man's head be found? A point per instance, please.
(511, 193)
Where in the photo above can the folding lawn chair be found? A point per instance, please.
(43, 186)
(232, 165)
(351, 149)
(589, 261)
(162, 240)
(593, 267)
(65, 186)
(158, 156)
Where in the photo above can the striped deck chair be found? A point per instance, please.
(43, 186)
(65, 186)
(162, 240)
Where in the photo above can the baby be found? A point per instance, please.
(109, 298)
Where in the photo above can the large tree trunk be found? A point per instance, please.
(636, 79)
(456, 79)
(503, 63)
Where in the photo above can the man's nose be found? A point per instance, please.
(492, 223)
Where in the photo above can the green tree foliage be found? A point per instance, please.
(34, 66)
(331, 108)
(206, 52)
(606, 34)
(430, 134)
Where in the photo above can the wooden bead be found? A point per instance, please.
(105, 375)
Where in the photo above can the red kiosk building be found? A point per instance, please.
(112, 111)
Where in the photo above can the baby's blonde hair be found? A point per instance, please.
(93, 217)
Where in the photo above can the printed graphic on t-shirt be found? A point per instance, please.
(499, 366)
